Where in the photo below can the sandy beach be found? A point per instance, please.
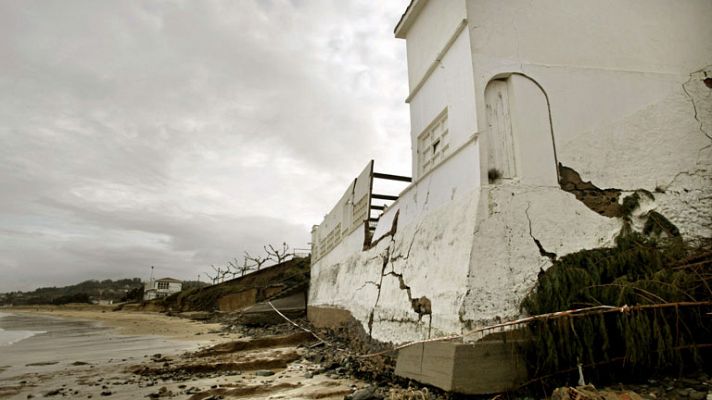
(91, 352)
(131, 323)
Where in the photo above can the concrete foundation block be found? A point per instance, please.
(469, 368)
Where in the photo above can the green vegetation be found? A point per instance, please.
(663, 285)
(85, 292)
(72, 298)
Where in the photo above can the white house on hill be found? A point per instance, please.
(159, 288)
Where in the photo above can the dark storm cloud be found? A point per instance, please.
(181, 133)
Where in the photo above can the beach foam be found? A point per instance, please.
(8, 338)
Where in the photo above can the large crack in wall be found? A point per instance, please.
(689, 88)
(420, 305)
(551, 256)
(385, 258)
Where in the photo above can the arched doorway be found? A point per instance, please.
(519, 143)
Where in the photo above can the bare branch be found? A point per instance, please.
(257, 260)
(278, 255)
(234, 268)
(210, 277)
(246, 267)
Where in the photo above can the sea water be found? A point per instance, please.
(32, 343)
(10, 337)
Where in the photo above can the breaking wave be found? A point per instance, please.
(8, 338)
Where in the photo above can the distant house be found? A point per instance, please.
(159, 288)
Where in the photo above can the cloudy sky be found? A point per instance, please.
(181, 133)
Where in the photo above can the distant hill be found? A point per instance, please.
(85, 292)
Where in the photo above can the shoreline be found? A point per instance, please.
(139, 323)
(94, 352)
(75, 345)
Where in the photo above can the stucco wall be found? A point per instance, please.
(629, 109)
(631, 35)
(347, 216)
(449, 86)
(614, 73)
(505, 258)
(455, 176)
(427, 257)
(429, 33)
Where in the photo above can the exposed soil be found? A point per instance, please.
(602, 201)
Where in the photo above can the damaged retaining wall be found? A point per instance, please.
(629, 108)
(409, 285)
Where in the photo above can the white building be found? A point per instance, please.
(506, 99)
(159, 288)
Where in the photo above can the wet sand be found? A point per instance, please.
(95, 353)
(85, 347)
(129, 323)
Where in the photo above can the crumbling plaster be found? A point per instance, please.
(431, 257)
(424, 259)
(505, 258)
(675, 161)
(629, 106)
(429, 253)
(687, 198)
(626, 115)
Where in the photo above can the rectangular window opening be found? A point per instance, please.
(433, 144)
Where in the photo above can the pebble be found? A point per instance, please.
(264, 372)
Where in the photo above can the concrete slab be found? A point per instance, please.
(470, 368)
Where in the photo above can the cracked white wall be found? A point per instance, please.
(505, 258)
(430, 252)
(629, 109)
